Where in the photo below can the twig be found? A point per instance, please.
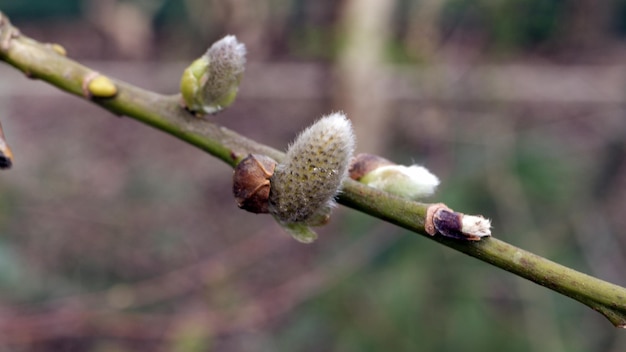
(43, 62)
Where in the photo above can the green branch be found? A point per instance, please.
(46, 62)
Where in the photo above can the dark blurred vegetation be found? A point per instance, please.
(116, 237)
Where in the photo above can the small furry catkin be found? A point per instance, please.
(211, 82)
(305, 184)
(227, 58)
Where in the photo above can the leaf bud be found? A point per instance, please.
(96, 85)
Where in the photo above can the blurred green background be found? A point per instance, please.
(117, 237)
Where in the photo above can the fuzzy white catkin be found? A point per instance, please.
(412, 182)
(305, 184)
(227, 60)
(211, 82)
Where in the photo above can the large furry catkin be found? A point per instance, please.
(305, 184)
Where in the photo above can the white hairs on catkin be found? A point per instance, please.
(305, 184)
(412, 182)
(211, 82)
(227, 60)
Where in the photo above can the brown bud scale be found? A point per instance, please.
(448, 223)
(444, 221)
(364, 163)
(251, 183)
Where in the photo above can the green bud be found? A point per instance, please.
(211, 82)
(101, 87)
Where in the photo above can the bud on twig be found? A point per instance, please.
(443, 220)
(411, 182)
(98, 86)
(304, 186)
(251, 187)
(251, 182)
(211, 82)
(299, 192)
(57, 48)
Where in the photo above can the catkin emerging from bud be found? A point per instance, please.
(411, 182)
(305, 184)
(211, 82)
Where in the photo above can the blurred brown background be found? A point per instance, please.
(117, 237)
